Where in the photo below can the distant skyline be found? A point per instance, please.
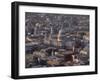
(56, 21)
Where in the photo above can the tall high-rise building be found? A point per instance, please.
(59, 40)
